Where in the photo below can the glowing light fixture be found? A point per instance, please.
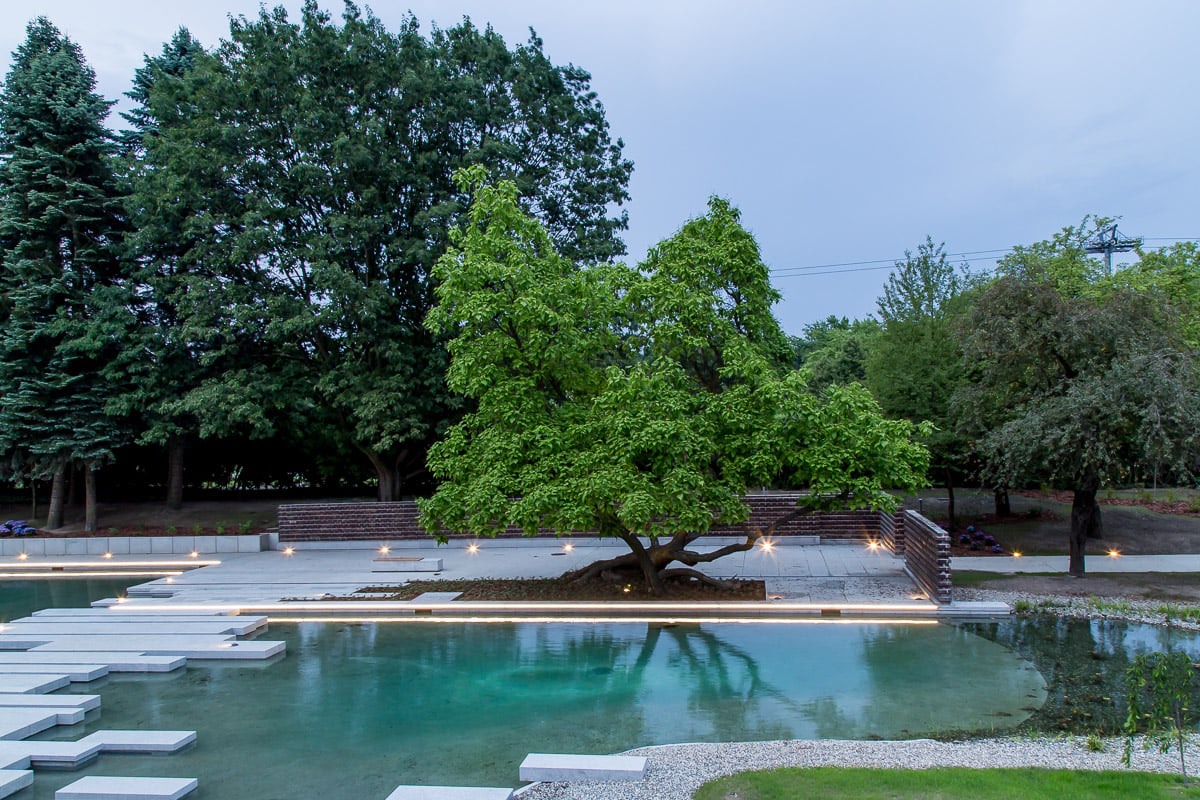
(473, 548)
(766, 545)
(568, 547)
(194, 554)
(1016, 553)
(287, 551)
(1114, 552)
(107, 555)
(873, 545)
(23, 556)
(383, 551)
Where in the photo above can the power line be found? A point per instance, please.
(889, 263)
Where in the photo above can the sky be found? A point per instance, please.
(845, 131)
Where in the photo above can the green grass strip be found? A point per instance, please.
(827, 783)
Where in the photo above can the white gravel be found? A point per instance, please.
(674, 772)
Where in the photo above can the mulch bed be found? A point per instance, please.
(564, 589)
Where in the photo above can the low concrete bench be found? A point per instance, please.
(449, 793)
(98, 787)
(559, 767)
(406, 564)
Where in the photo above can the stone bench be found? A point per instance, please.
(99, 787)
(403, 564)
(559, 767)
(449, 793)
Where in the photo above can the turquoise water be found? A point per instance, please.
(20, 598)
(356, 709)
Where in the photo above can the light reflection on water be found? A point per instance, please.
(356, 709)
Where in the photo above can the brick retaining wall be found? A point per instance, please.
(357, 521)
(927, 556)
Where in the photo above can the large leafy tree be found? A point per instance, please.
(315, 159)
(1074, 387)
(63, 299)
(914, 365)
(639, 404)
(834, 350)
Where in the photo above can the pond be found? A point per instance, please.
(355, 709)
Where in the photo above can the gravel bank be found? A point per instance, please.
(1118, 608)
(674, 772)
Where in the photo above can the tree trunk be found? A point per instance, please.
(89, 499)
(950, 499)
(175, 473)
(387, 474)
(1085, 517)
(1003, 506)
(54, 518)
(72, 487)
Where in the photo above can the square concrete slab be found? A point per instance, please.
(557, 767)
(139, 741)
(100, 787)
(449, 793)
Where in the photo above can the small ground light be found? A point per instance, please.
(767, 545)
(194, 554)
(287, 551)
(1114, 553)
(472, 548)
(107, 555)
(1016, 553)
(568, 547)
(22, 556)
(872, 545)
(383, 551)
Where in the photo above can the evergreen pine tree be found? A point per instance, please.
(63, 298)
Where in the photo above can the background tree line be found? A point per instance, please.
(1049, 371)
(241, 276)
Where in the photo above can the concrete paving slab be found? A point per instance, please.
(77, 673)
(14, 780)
(556, 767)
(115, 662)
(227, 626)
(188, 646)
(86, 702)
(449, 793)
(21, 723)
(104, 787)
(1093, 564)
(139, 741)
(32, 684)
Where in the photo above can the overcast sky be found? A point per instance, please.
(845, 131)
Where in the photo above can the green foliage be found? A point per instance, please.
(63, 300)
(634, 402)
(1162, 703)
(314, 160)
(1095, 743)
(834, 350)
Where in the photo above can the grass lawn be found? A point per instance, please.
(795, 783)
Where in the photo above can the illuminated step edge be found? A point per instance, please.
(102, 787)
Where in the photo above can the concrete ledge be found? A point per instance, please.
(21, 723)
(400, 564)
(33, 684)
(558, 767)
(139, 741)
(77, 673)
(99, 787)
(87, 702)
(115, 662)
(449, 793)
(135, 545)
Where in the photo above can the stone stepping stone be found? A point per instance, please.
(21, 723)
(140, 741)
(87, 702)
(434, 597)
(560, 767)
(14, 780)
(40, 683)
(186, 645)
(116, 662)
(77, 673)
(102, 787)
(449, 793)
(229, 626)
